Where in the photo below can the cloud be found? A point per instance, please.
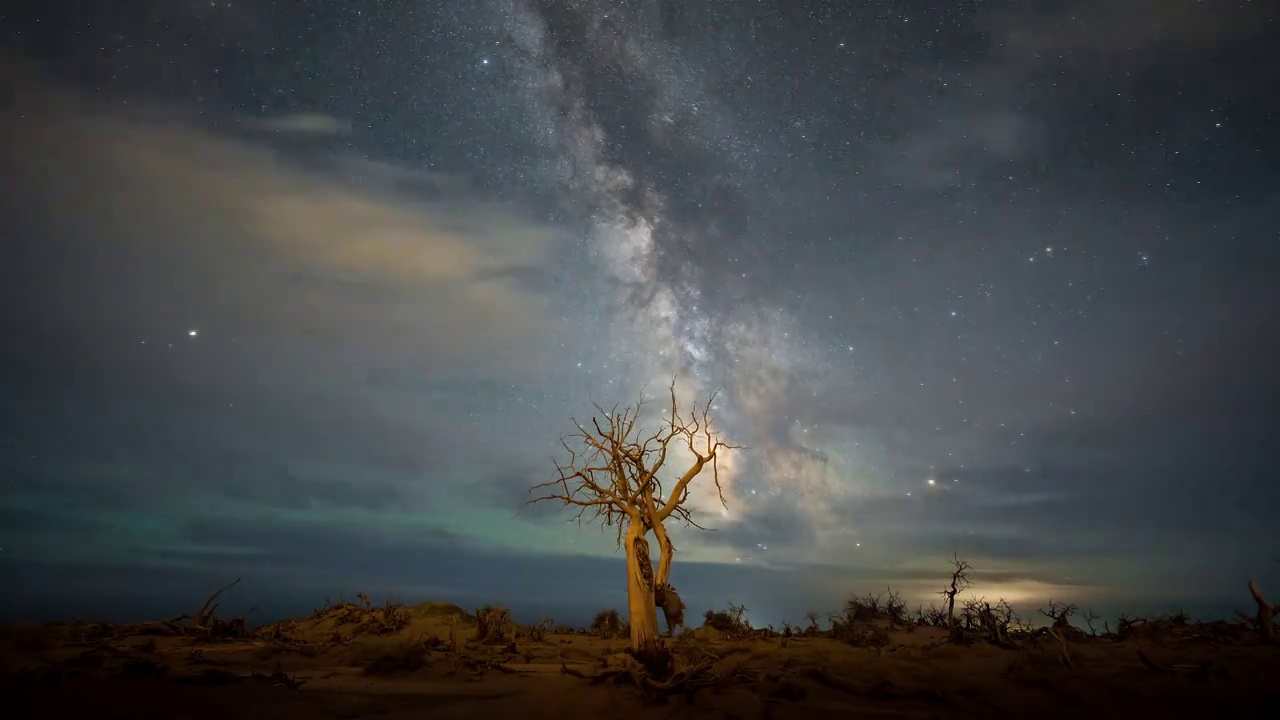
(1124, 27)
(954, 146)
(963, 123)
(351, 316)
(303, 124)
(145, 214)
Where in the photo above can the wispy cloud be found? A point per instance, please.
(286, 248)
(302, 124)
(242, 304)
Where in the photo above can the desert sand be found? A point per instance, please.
(361, 660)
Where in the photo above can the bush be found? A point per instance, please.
(608, 624)
(731, 622)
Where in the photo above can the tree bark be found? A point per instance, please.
(642, 612)
(665, 554)
(1266, 614)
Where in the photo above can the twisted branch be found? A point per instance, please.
(612, 471)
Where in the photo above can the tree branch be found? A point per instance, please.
(612, 473)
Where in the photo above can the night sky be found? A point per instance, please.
(307, 293)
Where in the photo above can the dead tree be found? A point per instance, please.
(1060, 614)
(614, 475)
(1266, 614)
(209, 610)
(996, 622)
(1089, 618)
(959, 581)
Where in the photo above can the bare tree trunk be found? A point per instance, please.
(666, 554)
(1266, 614)
(643, 614)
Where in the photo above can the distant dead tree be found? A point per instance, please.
(996, 622)
(612, 474)
(1059, 613)
(959, 581)
(1089, 618)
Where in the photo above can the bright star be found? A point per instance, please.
(193, 333)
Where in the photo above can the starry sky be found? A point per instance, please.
(308, 292)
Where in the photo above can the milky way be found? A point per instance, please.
(658, 170)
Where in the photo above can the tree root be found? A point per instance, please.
(687, 680)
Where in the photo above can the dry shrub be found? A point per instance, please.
(387, 619)
(932, 616)
(885, 606)
(871, 633)
(1060, 614)
(609, 624)
(866, 619)
(811, 628)
(732, 622)
(281, 631)
(537, 633)
(493, 625)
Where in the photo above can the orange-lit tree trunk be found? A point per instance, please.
(643, 613)
(665, 554)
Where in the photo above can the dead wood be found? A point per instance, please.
(368, 619)
(614, 474)
(1266, 614)
(959, 581)
(493, 625)
(207, 610)
(688, 672)
(1065, 657)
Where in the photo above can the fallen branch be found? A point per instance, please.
(1065, 658)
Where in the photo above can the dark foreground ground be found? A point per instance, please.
(356, 661)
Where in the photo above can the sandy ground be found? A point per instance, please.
(347, 663)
